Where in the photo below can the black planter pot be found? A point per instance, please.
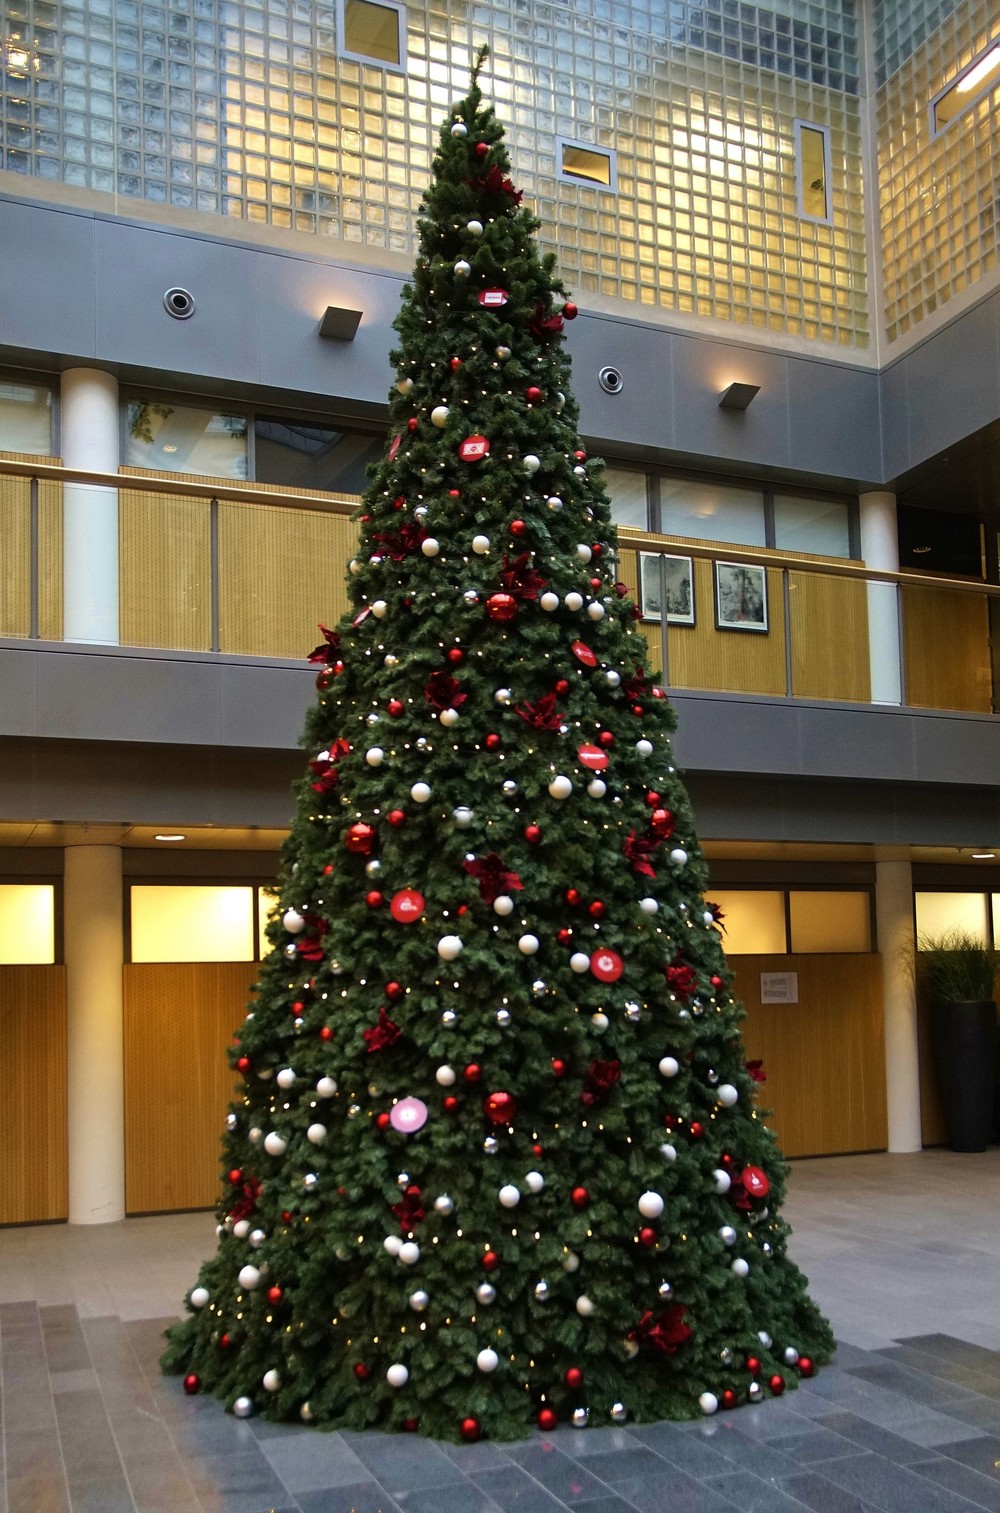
(965, 1049)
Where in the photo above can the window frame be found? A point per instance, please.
(40, 380)
(366, 59)
(800, 126)
(564, 177)
(786, 890)
(193, 880)
(53, 880)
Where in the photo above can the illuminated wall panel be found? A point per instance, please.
(830, 921)
(754, 921)
(198, 923)
(27, 924)
(939, 912)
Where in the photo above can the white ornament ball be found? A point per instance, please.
(573, 601)
(612, 678)
(584, 1306)
(528, 945)
(326, 1087)
(310, 1182)
(355, 566)
(534, 1182)
(286, 1077)
(392, 1244)
(581, 472)
(554, 502)
(275, 1144)
(644, 748)
(790, 1357)
(420, 793)
(444, 1204)
(445, 1076)
(648, 905)
(199, 1296)
(380, 609)
(474, 228)
(459, 129)
(668, 1152)
(531, 463)
(579, 962)
(271, 1381)
(462, 817)
(708, 1402)
(480, 545)
(404, 385)
(560, 401)
(727, 1234)
(462, 268)
(721, 1180)
(503, 905)
(374, 756)
(316, 1134)
(485, 1293)
(560, 787)
(651, 1205)
(583, 552)
(243, 1407)
(430, 547)
(549, 601)
(669, 1066)
(740, 1267)
(439, 415)
(679, 856)
(571, 1261)
(293, 921)
(509, 1196)
(449, 946)
(502, 696)
(397, 1375)
(449, 717)
(306, 1413)
(503, 353)
(487, 1360)
(599, 1021)
(257, 1238)
(256, 1135)
(409, 1253)
(595, 610)
(765, 1338)
(597, 788)
(248, 1277)
(418, 1301)
(241, 1228)
(726, 1094)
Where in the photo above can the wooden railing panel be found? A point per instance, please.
(50, 561)
(179, 1019)
(166, 568)
(34, 1185)
(824, 1056)
(15, 559)
(829, 635)
(946, 650)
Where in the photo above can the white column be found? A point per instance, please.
(894, 919)
(880, 549)
(94, 953)
(89, 439)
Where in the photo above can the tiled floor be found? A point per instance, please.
(903, 1254)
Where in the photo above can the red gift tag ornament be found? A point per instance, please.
(407, 906)
(493, 299)
(755, 1181)
(593, 757)
(583, 654)
(606, 965)
(473, 448)
(394, 447)
(408, 1115)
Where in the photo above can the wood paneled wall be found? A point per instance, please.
(824, 1056)
(15, 558)
(946, 650)
(179, 1020)
(829, 635)
(165, 570)
(33, 1183)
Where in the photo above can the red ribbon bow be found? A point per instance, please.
(520, 579)
(401, 543)
(599, 1079)
(443, 691)
(665, 1333)
(545, 327)
(247, 1204)
(382, 1035)
(328, 649)
(682, 979)
(409, 1210)
(541, 715)
(638, 849)
(493, 878)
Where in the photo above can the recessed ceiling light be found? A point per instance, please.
(170, 837)
(918, 551)
(984, 856)
(170, 448)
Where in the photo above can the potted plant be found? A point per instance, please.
(960, 972)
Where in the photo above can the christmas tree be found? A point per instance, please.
(495, 1160)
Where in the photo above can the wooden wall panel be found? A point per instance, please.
(650, 630)
(33, 1152)
(165, 571)
(946, 648)
(829, 635)
(179, 1020)
(732, 661)
(15, 560)
(824, 1056)
(281, 572)
(50, 561)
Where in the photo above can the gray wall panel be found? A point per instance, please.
(759, 436)
(47, 298)
(95, 697)
(953, 382)
(833, 420)
(264, 706)
(642, 414)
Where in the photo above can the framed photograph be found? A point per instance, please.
(679, 575)
(740, 597)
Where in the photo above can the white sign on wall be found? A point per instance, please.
(779, 987)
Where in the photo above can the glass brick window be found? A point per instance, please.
(179, 438)
(25, 417)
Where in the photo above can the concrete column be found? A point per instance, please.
(89, 430)
(94, 955)
(880, 549)
(894, 917)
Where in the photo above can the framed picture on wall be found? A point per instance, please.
(740, 597)
(677, 580)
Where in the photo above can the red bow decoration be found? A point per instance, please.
(545, 327)
(665, 1333)
(599, 1079)
(520, 579)
(637, 686)
(493, 879)
(325, 767)
(409, 1210)
(681, 979)
(328, 649)
(381, 1035)
(496, 182)
(541, 715)
(443, 691)
(247, 1204)
(638, 849)
(717, 918)
(401, 543)
(755, 1069)
(310, 942)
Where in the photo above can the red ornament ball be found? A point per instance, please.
(374, 899)
(394, 991)
(326, 1033)
(274, 1295)
(395, 707)
(225, 1341)
(192, 1383)
(538, 1150)
(298, 1007)
(455, 363)
(572, 897)
(697, 1130)
(647, 1237)
(360, 838)
(396, 818)
(753, 1365)
(481, 149)
(235, 1177)
(806, 1366)
(491, 1261)
(777, 1384)
(286, 1217)
(558, 1068)
(579, 1197)
(653, 799)
(518, 527)
(501, 607)
(637, 710)
(580, 456)
(605, 739)
(596, 549)
(569, 310)
(755, 1181)
(671, 1122)
(471, 1428)
(473, 1072)
(596, 909)
(455, 655)
(564, 936)
(716, 982)
(361, 1371)
(328, 870)
(532, 834)
(562, 687)
(243, 1064)
(533, 395)
(449, 1104)
(729, 1398)
(411, 1425)
(574, 1378)
(500, 1108)
(412, 423)
(661, 822)
(382, 1120)
(493, 742)
(547, 1418)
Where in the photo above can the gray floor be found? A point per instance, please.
(903, 1255)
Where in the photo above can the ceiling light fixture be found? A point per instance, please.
(988, 64)
(170, 837)
(738, 396)
(984, 856)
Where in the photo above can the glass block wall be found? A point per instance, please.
(939, 196)
(243, 108)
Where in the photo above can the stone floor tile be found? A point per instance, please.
(983, 1491)
(982, 1454)
(73, 1381)
(364, 1497)
(40, 1493)
(892, 1488)
(565, 1478)
(516, 1492)
(403, 1463)
(692, 1453)
(30, 1452)
(812, 1490)
(583, 1443)
(814, 1444)
(101, 1495)
(483, 1456)
(309, 1464)
(617, 1466)
(868, 1436)
(752, 1495)
(675, 1493)
(739, 1446)
(914, 1385)
(456, 1497)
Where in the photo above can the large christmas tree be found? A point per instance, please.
(495, 1160)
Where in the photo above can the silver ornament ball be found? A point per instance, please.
(580, 1418)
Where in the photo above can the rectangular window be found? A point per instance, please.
(821, 527)
(754, 921)
(812, 171)
(173, 438)
(25, 418)
(581, 163)
(27, 924)
(372, 31)
(308, 455)
(830, 922)
(939, 912)
(196, 923)
(712, 512)
(969, 86)
(627, 491)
